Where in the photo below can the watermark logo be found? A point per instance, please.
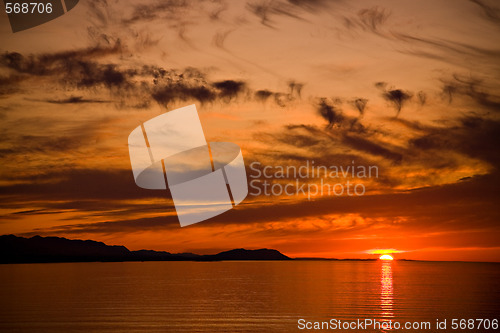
(205, 179)
(310, 180)
(28, 14)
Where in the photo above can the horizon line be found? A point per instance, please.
(267, 248)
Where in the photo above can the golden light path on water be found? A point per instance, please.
(386, 291)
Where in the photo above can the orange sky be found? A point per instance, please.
(280, 79)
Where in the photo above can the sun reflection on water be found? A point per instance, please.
(386, 291)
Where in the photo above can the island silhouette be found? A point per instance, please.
(37, 249)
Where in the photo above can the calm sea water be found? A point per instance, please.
(240, 296)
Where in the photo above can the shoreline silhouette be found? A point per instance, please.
(37, 249)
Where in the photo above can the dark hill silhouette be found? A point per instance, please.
(242, 254)
(38, 249)
(54, 249)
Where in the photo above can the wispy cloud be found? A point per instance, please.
(460, 85)
(397, 97)
(492, 13)
(371, 19)
(75, 100)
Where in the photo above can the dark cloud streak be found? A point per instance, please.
(397, 97)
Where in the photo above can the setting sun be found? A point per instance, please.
(386, 257)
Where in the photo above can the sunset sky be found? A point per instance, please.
(286, 80)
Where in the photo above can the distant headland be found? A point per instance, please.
(37, 249)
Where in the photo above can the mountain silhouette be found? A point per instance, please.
(242, 254)
(39, 249)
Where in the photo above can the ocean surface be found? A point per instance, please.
(254, 296)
